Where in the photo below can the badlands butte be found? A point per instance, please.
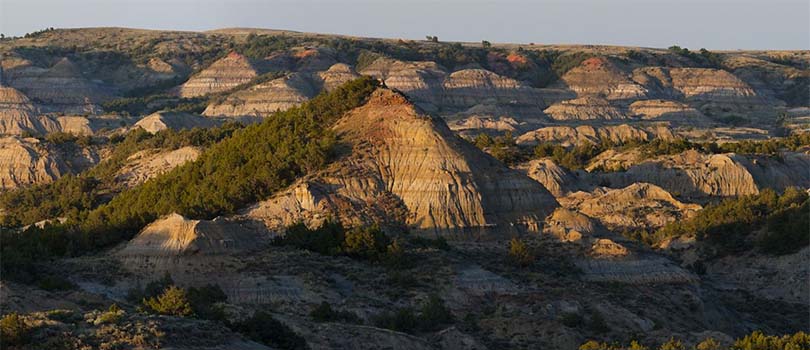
(265, 189)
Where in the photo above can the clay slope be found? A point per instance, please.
(62, 87)
(80, 125)
(695, 175)
(472, 94)
(18, 114)
(264, 99)
(409, 168)
(337, 75)
(667, 110)
(173, 120)
(555, 178)
(174, 235)
(599, 77)
(712, 91)
(568, 136)
(24, 162)
(712, 86)
(638, 206)
(584, 108)
(772, 80)
(227, 73)
(470, 87)
(420, 81)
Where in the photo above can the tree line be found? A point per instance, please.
(249, 165)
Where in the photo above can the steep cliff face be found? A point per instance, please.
(569, 136)
(147, 164)
(410, 167)
(266, 98)
(172, 120)
(638, 206)
(228, 72)
(62, 87)
(584, 108)
(25, 162)
(598, 76)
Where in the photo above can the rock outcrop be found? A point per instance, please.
(420, 81)
(790, 169)
(598, 76)
(25, 162)
(603, 248)
(554, 178)
(62, 87)
(667, 110)
(695, 175)
(409, 167)
(18, 115)
(476, 124)
(80, 125)
(711, 91)
(227, 73)
(336, 75)
(613, 160)
(469, 87)
(713, 86)
(638, 206)
(147, 164)
(584, 108)
(264, 99)
(691, 174)
(775, 81)
(173, 120)
(570, 226)
(570, 136)
(174, 236)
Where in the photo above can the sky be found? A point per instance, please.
(713, 24)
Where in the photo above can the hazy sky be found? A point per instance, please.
(714, 24)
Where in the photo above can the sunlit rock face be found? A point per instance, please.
(227, 73)
(409, 168)
(264, 99)
(572, 136)
(26, 162)
(584, 108)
